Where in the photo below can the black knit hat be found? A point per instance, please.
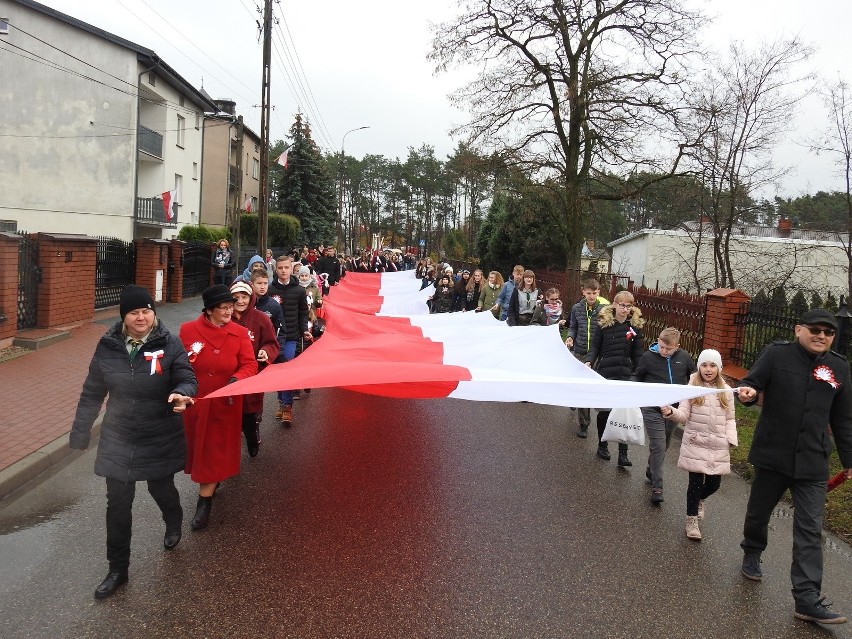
(134, 297)
(216, 295)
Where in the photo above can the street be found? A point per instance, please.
(375, 517)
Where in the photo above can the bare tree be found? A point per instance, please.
(570, 89)
(837, 141)
(740, 111)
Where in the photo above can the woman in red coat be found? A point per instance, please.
(265, 345)
(220, 352)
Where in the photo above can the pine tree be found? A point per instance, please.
(304, 189)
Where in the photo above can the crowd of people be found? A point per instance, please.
(271, 312)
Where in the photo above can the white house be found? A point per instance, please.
(761, 258)
(94, 129)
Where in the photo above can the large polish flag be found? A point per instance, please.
(380, 339)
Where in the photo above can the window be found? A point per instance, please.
(4, 26)
(254, 204)
(152, 79)
(255, 169)
(9, 226)
(256, 149)
(179, 188)
(197, 121)
(195, 170)
(181, 130)
(247, 163)
(181, 100)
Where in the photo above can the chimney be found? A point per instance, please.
(590, 244)
(785, 225)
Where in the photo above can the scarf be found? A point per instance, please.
(553, 312)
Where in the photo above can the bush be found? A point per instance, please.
(283, 229)
(203, 233)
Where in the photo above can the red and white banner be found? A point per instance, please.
(282, 159)
(247, 204)
(380, 339)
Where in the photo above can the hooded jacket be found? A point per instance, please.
(294, 304)
(141, 437)
(616, 346)
(246, 274)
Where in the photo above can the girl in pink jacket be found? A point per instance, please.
(709, 432)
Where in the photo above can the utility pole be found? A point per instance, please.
(340, 234)
(238, 194)
(265, 107)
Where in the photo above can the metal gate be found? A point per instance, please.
(196, 268)
(114, 269)
(29, 277)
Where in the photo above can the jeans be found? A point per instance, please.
(119, 514)
(288, 351)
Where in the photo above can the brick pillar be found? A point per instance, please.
(176, 271)
(720, 333)
(67, 291)
(152, 266)
(9, 243)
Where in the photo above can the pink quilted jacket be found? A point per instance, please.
(708, 432)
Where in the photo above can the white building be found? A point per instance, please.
(761, 258)
(94, 129)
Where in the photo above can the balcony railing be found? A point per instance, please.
(150, 142)
(149, 211)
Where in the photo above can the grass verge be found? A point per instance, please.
(838, 507)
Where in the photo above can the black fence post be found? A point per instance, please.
(843, 315)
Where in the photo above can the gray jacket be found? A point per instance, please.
(581, 323)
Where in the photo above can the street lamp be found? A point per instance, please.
(340, 186)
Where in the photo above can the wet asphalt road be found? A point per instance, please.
(377, 517)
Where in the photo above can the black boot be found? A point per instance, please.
(603, 451)
(202, 513)
(113, 580)
(172, 538)
(622, 456)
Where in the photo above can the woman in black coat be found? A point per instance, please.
(146, 375)
(614, 352)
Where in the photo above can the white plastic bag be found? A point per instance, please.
(625, 426)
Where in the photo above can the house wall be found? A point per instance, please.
(668, 257)
(218, 141)
(73, 170)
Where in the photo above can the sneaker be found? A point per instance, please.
(286, 415)
(603, 452)
(657, 496)
(583, 432)
(818, 613)
(700, 510)
(279, 411)
(692, 531)
(751, 567)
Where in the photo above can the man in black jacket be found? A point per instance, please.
(287, 292)
(806, 390)
(664, 363)
(329, 264)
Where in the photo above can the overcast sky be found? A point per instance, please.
(364, 64)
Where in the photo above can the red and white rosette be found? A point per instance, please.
(825, 374)
(630, 333)
(154, 357)
(194, 350)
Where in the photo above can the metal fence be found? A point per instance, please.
(29, 278)
(196, 267)
(115, 268)
(682, 311)
(758, 324)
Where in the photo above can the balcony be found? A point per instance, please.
(150, 142)
(233, 177)
(149, 211)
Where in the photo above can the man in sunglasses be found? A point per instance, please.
(806, 389)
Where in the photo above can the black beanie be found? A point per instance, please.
(133, 297)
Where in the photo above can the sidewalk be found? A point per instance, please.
(40, 389)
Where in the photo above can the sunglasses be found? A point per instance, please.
(815, 330)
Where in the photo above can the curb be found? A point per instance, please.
(30, 467)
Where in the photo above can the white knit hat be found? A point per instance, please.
(711, 356)
(241, 287)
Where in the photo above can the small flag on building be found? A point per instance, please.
(247, 205)
(282, 159)
(169, 202)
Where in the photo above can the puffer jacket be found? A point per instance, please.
(141, 437)
(294, 304)
(581, 324)
(710, 429)
(616, 346)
